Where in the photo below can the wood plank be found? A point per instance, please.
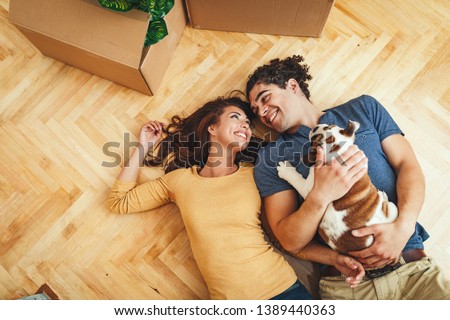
(56, 120)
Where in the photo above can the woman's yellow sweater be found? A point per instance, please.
(221, 216)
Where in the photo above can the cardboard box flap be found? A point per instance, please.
(84, 23)
(158, 56)
(312, 20)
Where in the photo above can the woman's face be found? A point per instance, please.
(233, 131)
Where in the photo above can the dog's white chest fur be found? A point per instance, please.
(336, 225)
(333, 225)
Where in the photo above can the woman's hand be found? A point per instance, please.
(150, 134)
(351, 268)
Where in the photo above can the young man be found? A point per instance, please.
(278, 93)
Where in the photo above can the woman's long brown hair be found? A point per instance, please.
(187, 140)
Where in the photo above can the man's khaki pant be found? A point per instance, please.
(418, 280)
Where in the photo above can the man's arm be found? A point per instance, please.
(293, 226)
(390, 239)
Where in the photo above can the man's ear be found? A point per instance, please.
(292, 84)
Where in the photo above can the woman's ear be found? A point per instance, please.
(211, 130)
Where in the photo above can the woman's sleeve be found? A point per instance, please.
(127, 197)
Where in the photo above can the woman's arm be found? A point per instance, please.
(150, 134)
(125, 196)
(351, 268)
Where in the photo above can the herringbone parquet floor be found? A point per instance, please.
(55, 121)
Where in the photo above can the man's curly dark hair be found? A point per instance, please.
(279, 72)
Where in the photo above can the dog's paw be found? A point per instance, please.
(286, 170)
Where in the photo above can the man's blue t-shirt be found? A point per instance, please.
(375, 125)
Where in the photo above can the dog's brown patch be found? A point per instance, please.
(384, 207)
(330, 139)
(349, 131)
(347, 242)
(335, 148)
(316, 138)
(331, 126)
(360, 202)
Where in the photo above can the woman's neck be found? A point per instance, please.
(219, 167)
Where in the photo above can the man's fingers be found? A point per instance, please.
(359, 168)
(361, 254)
(365, 231)
(378, 264)
(347, 155)
(320, 157)
(374, 262)
(355, 159)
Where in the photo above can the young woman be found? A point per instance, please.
(217, 198)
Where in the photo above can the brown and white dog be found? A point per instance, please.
(363, 205)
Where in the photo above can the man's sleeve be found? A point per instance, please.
(383, 122)
(266, 174)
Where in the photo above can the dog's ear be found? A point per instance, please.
(315, 139)
(309, 159)
(352, 126)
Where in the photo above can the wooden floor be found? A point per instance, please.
(55, 120)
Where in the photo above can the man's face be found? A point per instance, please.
(274, 106)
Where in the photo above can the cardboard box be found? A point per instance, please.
(280, 17)
(103, 42)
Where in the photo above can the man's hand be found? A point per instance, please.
(390, 239)
(352, 269)
(334, 180)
